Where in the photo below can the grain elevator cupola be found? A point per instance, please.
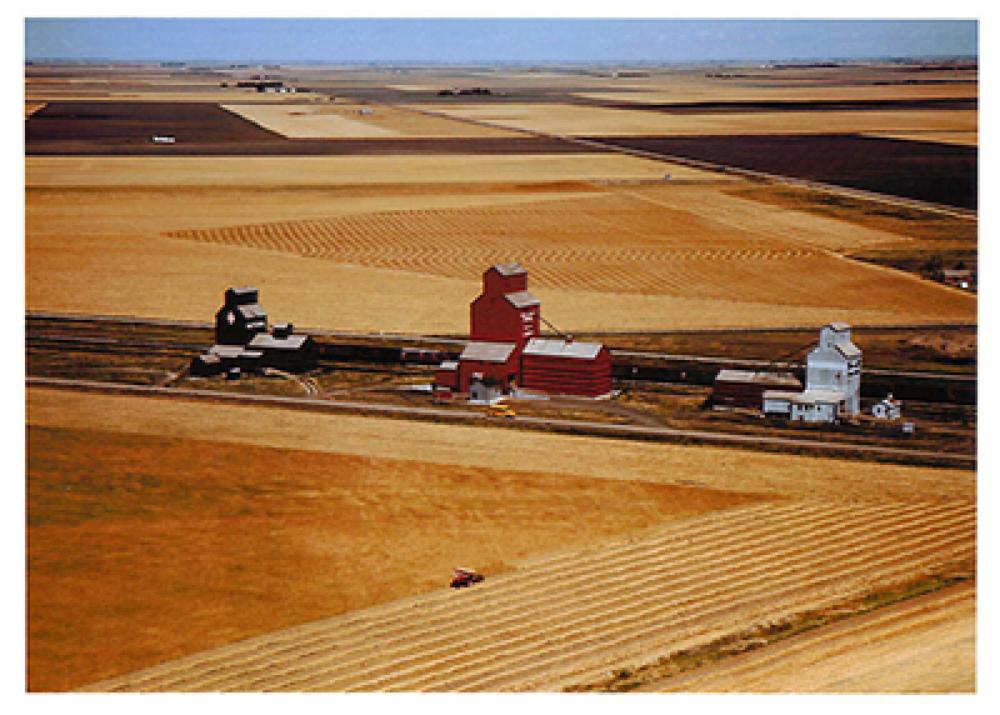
(835, 365)
(240, 318)
(506, 311)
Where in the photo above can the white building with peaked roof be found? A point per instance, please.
(835, 366)
(833, 381)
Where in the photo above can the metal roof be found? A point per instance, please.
(848, 350)
(242, 295)
(809, 397)
(553, 347)
(522, 299)
(232, 352)
(509, 269)
(487, 352)
(263, 341)
(760, 378)
(252, 311)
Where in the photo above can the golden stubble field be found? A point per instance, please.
(346, 242)
(161, 528)
(578, 120)
(142, 548)
(345, 120)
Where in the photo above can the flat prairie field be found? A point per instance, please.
(147, 541)
(334, 121)
(814, 91)
(761, 473)
(579, 120)
(143, 548)
(923, 645)
(459, 170)
(314, 233)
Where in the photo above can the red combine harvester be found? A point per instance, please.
(466, 577)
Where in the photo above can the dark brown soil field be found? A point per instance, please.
(928, 171)
(127, 128)
(134, 123)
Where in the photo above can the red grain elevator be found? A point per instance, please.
(506, 348)
(506, 311)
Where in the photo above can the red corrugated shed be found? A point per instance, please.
(743, 388)
(446, 375)
(494, 361)
(564, 367)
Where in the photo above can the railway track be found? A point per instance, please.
(624, 360)
(136, 338)
(571, 617)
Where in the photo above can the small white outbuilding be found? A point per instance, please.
(887, 409)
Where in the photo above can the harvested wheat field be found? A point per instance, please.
(779, 475)
(618, 243)
(579, 120)
(171, 529)
(375, 171)
(601, 256)
(340, 120)
(570, 618)
(924, 645)
(839, 84)
(178, 544)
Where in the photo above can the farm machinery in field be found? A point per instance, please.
(463, 577)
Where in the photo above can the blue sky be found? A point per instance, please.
(485, 40)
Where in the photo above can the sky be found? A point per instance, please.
(491, 40)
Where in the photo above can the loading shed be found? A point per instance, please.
(294, 353)
(446, 375)
(221, 358)
(745, 388)
(495, 362)
(808, 406)
(566, 367)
